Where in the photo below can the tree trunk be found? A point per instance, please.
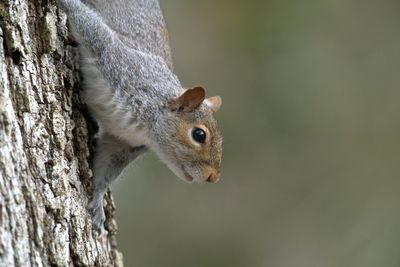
(44, 146)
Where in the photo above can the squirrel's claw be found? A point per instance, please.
(96, 210)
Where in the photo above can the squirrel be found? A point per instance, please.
(135, 97)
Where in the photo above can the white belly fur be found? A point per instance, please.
(112, 115)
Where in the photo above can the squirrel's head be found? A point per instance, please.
(191, 145)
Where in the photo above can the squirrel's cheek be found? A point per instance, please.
(183, 137)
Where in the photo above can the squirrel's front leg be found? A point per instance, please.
(111, 157)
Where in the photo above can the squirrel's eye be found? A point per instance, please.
(199, 135)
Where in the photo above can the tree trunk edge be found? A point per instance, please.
(45, 146)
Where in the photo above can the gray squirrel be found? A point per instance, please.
(137, 100)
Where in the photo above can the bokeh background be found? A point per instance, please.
(310, 117)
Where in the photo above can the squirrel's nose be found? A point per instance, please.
(213, 177)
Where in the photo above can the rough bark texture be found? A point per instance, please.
(44, 152)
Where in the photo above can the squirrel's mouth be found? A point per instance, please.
(188, 177)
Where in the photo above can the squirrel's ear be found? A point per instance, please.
(214, 103)
(189, 100)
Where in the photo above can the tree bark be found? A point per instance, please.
(44, 146)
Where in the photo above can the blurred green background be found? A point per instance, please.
(311, 128)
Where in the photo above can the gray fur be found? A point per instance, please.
(112, 156)
(129, 84)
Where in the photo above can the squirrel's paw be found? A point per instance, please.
(96, 210)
